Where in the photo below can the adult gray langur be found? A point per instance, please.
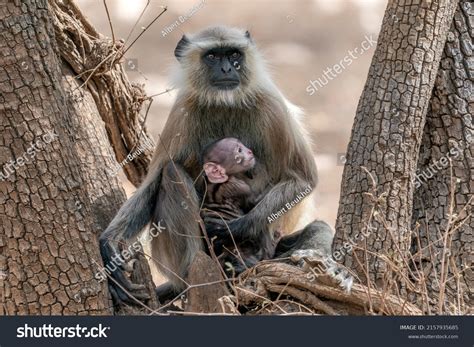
(224, 90)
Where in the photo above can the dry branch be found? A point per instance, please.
(205, 299)
(260, 284)
(279, 288)
(96, 61)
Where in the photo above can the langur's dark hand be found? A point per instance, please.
(121, 288)
(239, 229)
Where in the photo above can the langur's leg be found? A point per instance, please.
(132, 217)
(166, 292)
(314, 243)
(317, 235)
(177, 216)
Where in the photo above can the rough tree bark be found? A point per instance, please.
(60, 196)
(96, 59)
(379, 204)
(56, 199)
(442, 210)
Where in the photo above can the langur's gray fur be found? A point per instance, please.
(256, 113)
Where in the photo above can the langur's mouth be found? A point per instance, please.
(251, 163)
(226, 84)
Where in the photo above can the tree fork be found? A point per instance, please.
(377, 186)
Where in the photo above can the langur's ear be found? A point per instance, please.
(215, 173)
(247, 35)
(181, 47)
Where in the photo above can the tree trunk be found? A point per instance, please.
(57, 196)
(377, 189)
(442, 209)
(95, 60)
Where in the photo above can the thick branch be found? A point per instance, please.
(260, 282)
(95, 59)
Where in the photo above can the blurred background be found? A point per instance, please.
(301, 39)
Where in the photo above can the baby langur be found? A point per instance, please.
(227, 164)
(224, 88)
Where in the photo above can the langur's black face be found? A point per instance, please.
(223, 64)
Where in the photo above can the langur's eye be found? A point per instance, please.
(240, 150)
(211, 56)
(235, 55)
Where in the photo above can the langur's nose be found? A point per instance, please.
(226, 67)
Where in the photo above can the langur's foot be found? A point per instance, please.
(324, 267)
